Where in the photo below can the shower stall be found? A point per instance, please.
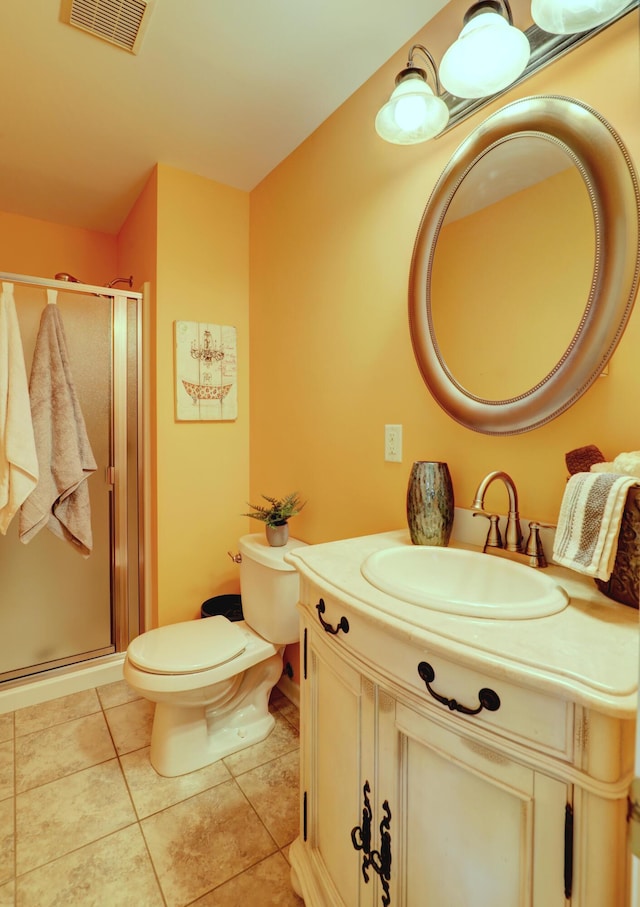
(58, 608)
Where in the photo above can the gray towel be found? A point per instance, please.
(60, 500)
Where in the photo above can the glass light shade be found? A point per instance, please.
(573, 16)
(412, 114)
(488, 56)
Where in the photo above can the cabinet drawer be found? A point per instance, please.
(521, 714)
(474, 697)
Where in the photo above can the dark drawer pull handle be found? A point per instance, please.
(343, 623)
(489, 699)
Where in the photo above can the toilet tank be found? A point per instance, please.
(269, 588)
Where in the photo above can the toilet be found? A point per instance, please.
(211, 679)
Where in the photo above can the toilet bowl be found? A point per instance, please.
(211, 678)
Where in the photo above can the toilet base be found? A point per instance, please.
(187, 737)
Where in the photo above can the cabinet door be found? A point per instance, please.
(475, 828)
(331, 756)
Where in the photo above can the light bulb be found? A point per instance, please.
(573, 16)
(412, 114)
(488, 56)
(410, 111)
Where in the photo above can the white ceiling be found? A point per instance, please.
(222, 88)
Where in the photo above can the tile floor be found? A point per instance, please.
(86, 822)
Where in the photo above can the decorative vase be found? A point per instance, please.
(277, 536)
(430, 503)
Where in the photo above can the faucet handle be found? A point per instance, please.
(534, 549)
(493, 539)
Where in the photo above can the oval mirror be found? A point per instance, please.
(525, 267)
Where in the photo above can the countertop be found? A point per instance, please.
(589, 652)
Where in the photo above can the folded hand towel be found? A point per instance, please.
(627, 463)
(18, 460)
(60, 500)
(589, 522)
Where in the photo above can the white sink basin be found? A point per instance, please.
(464, 582)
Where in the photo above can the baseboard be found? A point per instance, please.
(289, 689)
(17, 694)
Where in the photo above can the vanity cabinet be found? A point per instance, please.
(418, 789)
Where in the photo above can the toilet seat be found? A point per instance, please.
(187, 647)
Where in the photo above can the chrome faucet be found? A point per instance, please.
(513, 534)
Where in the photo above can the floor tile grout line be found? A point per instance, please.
(233, 781)
(232, 778)
(68, 774)
(115, 756)
(264, 859)
(290, 723)
(133, 803)
(73, 850)
(258, 765)
(76, 771)
(128, 787)
(257, 815)
(152, 862)
(56, 723)
(138, 820)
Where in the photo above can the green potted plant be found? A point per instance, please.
(275, 516)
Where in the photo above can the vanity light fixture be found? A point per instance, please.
(413, 113)
(573, 16)
(489, 55)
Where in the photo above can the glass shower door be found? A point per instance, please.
(56, 605)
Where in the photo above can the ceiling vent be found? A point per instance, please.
(120, 22)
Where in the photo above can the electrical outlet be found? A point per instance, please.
(393, 443)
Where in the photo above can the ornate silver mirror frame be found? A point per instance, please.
(611, 181)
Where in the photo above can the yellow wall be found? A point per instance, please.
(40, 249)
(201, 468)
(332, 232)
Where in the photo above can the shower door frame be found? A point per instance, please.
(122, 560)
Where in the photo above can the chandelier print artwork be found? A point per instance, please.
(206, 372)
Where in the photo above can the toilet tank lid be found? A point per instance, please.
(188, 646)
(257, 548)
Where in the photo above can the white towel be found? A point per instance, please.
(60, 500)
(589, 522)
(18, 459)
(625, 463)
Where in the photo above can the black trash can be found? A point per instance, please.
(229, 606)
